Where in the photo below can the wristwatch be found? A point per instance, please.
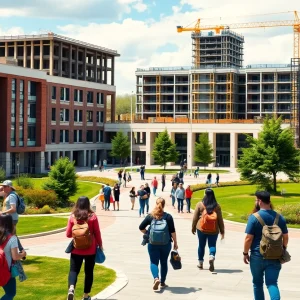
(245, 253)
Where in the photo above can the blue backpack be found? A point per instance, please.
(159, 231)
(21, 206)
(107, 191)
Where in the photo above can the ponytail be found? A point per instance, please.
(158, 210)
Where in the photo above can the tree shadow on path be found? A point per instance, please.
(180, 290)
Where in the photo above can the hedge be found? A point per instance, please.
(291, 212)
(103, 180)
(202, 186)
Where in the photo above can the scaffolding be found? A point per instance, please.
(229, 96)
(295, 111)
(212, 96)
(196, 50)
(158, 93)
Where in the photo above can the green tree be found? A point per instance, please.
(123, 104)
(204, 152)
(62, 180)
(120, 146)
(164, 150)
(2, 174)
(273, 152)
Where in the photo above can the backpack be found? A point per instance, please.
(82, 238)
(21, 206)
(208, 223)
(271, 244)
(107, 191)
(159, 232)
(4, 270)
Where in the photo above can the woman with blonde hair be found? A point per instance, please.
(161, 233)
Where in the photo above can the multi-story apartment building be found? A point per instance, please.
(53, 105)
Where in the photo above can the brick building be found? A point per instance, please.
(53, 109)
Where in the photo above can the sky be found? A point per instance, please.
(144, 31)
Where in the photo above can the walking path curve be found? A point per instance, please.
(122, 244)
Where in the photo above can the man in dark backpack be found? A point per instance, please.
(267, 244)
(10, 204)
(107, 194)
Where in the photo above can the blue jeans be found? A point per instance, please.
(212, 241)
(159, 253)
(147, 204)
(173, 200)
(10, 290)
(180, 204)
(106, 202)
(142, 206)
(269, 268)
(188, 204)
(154, 191)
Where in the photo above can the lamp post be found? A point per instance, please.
(131, 138)
(18, 166)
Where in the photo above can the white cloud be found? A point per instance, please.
(140, 6)
(11, 31)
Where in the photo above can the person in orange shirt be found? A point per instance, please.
(188, 196)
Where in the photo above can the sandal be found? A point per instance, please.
(156, 284)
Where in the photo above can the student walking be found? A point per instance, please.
(142, 197)
(116, 192)
(148, 191)
(208, 179)
(208, 222)
(188, 196)
(154, 184)
(163, 182)
(84, 247)
(107, 195)
(217, 179)
(180, 195)
(124, 179)
(173, 195)
(261, 266)
(142, 172)
(120, 177)
(160, 242)
(9, 245)
(132, 195)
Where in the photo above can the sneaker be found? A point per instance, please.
(71, 294)
(200, 265)
(163, 286)
(156, 284)
(88, 298)
(211, 263)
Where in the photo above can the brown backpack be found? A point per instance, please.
(82, 238)
(208, 223)
(271, 244)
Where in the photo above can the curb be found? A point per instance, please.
(119, 284)
(34, 235)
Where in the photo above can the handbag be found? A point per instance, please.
(70, 247)
(14, 271)
(285, 257)
(100, 256)
(175, 260)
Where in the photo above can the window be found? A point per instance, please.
(31, 112)
(32, 90)
(31, 135)
(53, 136)
(21, 90)
(89, 136)
(13, 89)
(53, 118)
(90, 97)
(53, 93)
(89, 116)
(100, 116)
(77, 115)
(64, 115)
(21, 136)
(61, 136)
(78, 95)
(100, 98)
(77, 136)
(64, 94)
(64, 136)
(100, 136)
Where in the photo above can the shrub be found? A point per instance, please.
(39, 211)
(38, 198)
(202, 186)
(291, 212)
(25, 181)
(2, 174)
(103, 180)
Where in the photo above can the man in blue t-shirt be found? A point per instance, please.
(259, 266)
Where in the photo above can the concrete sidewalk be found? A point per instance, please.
(122, 244)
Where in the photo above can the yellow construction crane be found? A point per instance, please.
(197, 28)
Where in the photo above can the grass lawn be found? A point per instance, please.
(87, 189)
(238, 201)
(48, 279)
(29, 225)
(172, 171)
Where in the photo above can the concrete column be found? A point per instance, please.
(6, 50)
(5, 161)
(25, 56)
(233, 150)
(95, 67)
(41, 56)
(84, 158)
(70, 61)
(76, 62)
(51, 58)
(101, 68)
(60, 59)
(49, 158)
(15, 50)
(255, 134)
(105, 69)
(40, 162)
(71, 155)
(212, 140)
(191, 137)
(149, 148)
(94, 159)
(31, 55)
(84, 64)
(113, 71)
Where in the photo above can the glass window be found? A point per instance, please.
(61, 136)
(53, 92)
(89, 136)
(21, 90)
(80, 136)
(89, 116)
(53, 135)
(31, 135)
(53, 114)
(66, 136)
(90, 97)
(13, 89)
(101, 116)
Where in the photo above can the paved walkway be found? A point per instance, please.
(122, 244)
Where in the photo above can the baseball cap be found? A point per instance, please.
(8, 183)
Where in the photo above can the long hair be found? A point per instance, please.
(82, 209)
(132, 189)
(209, 201)
(158, 210)
(6, 226)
